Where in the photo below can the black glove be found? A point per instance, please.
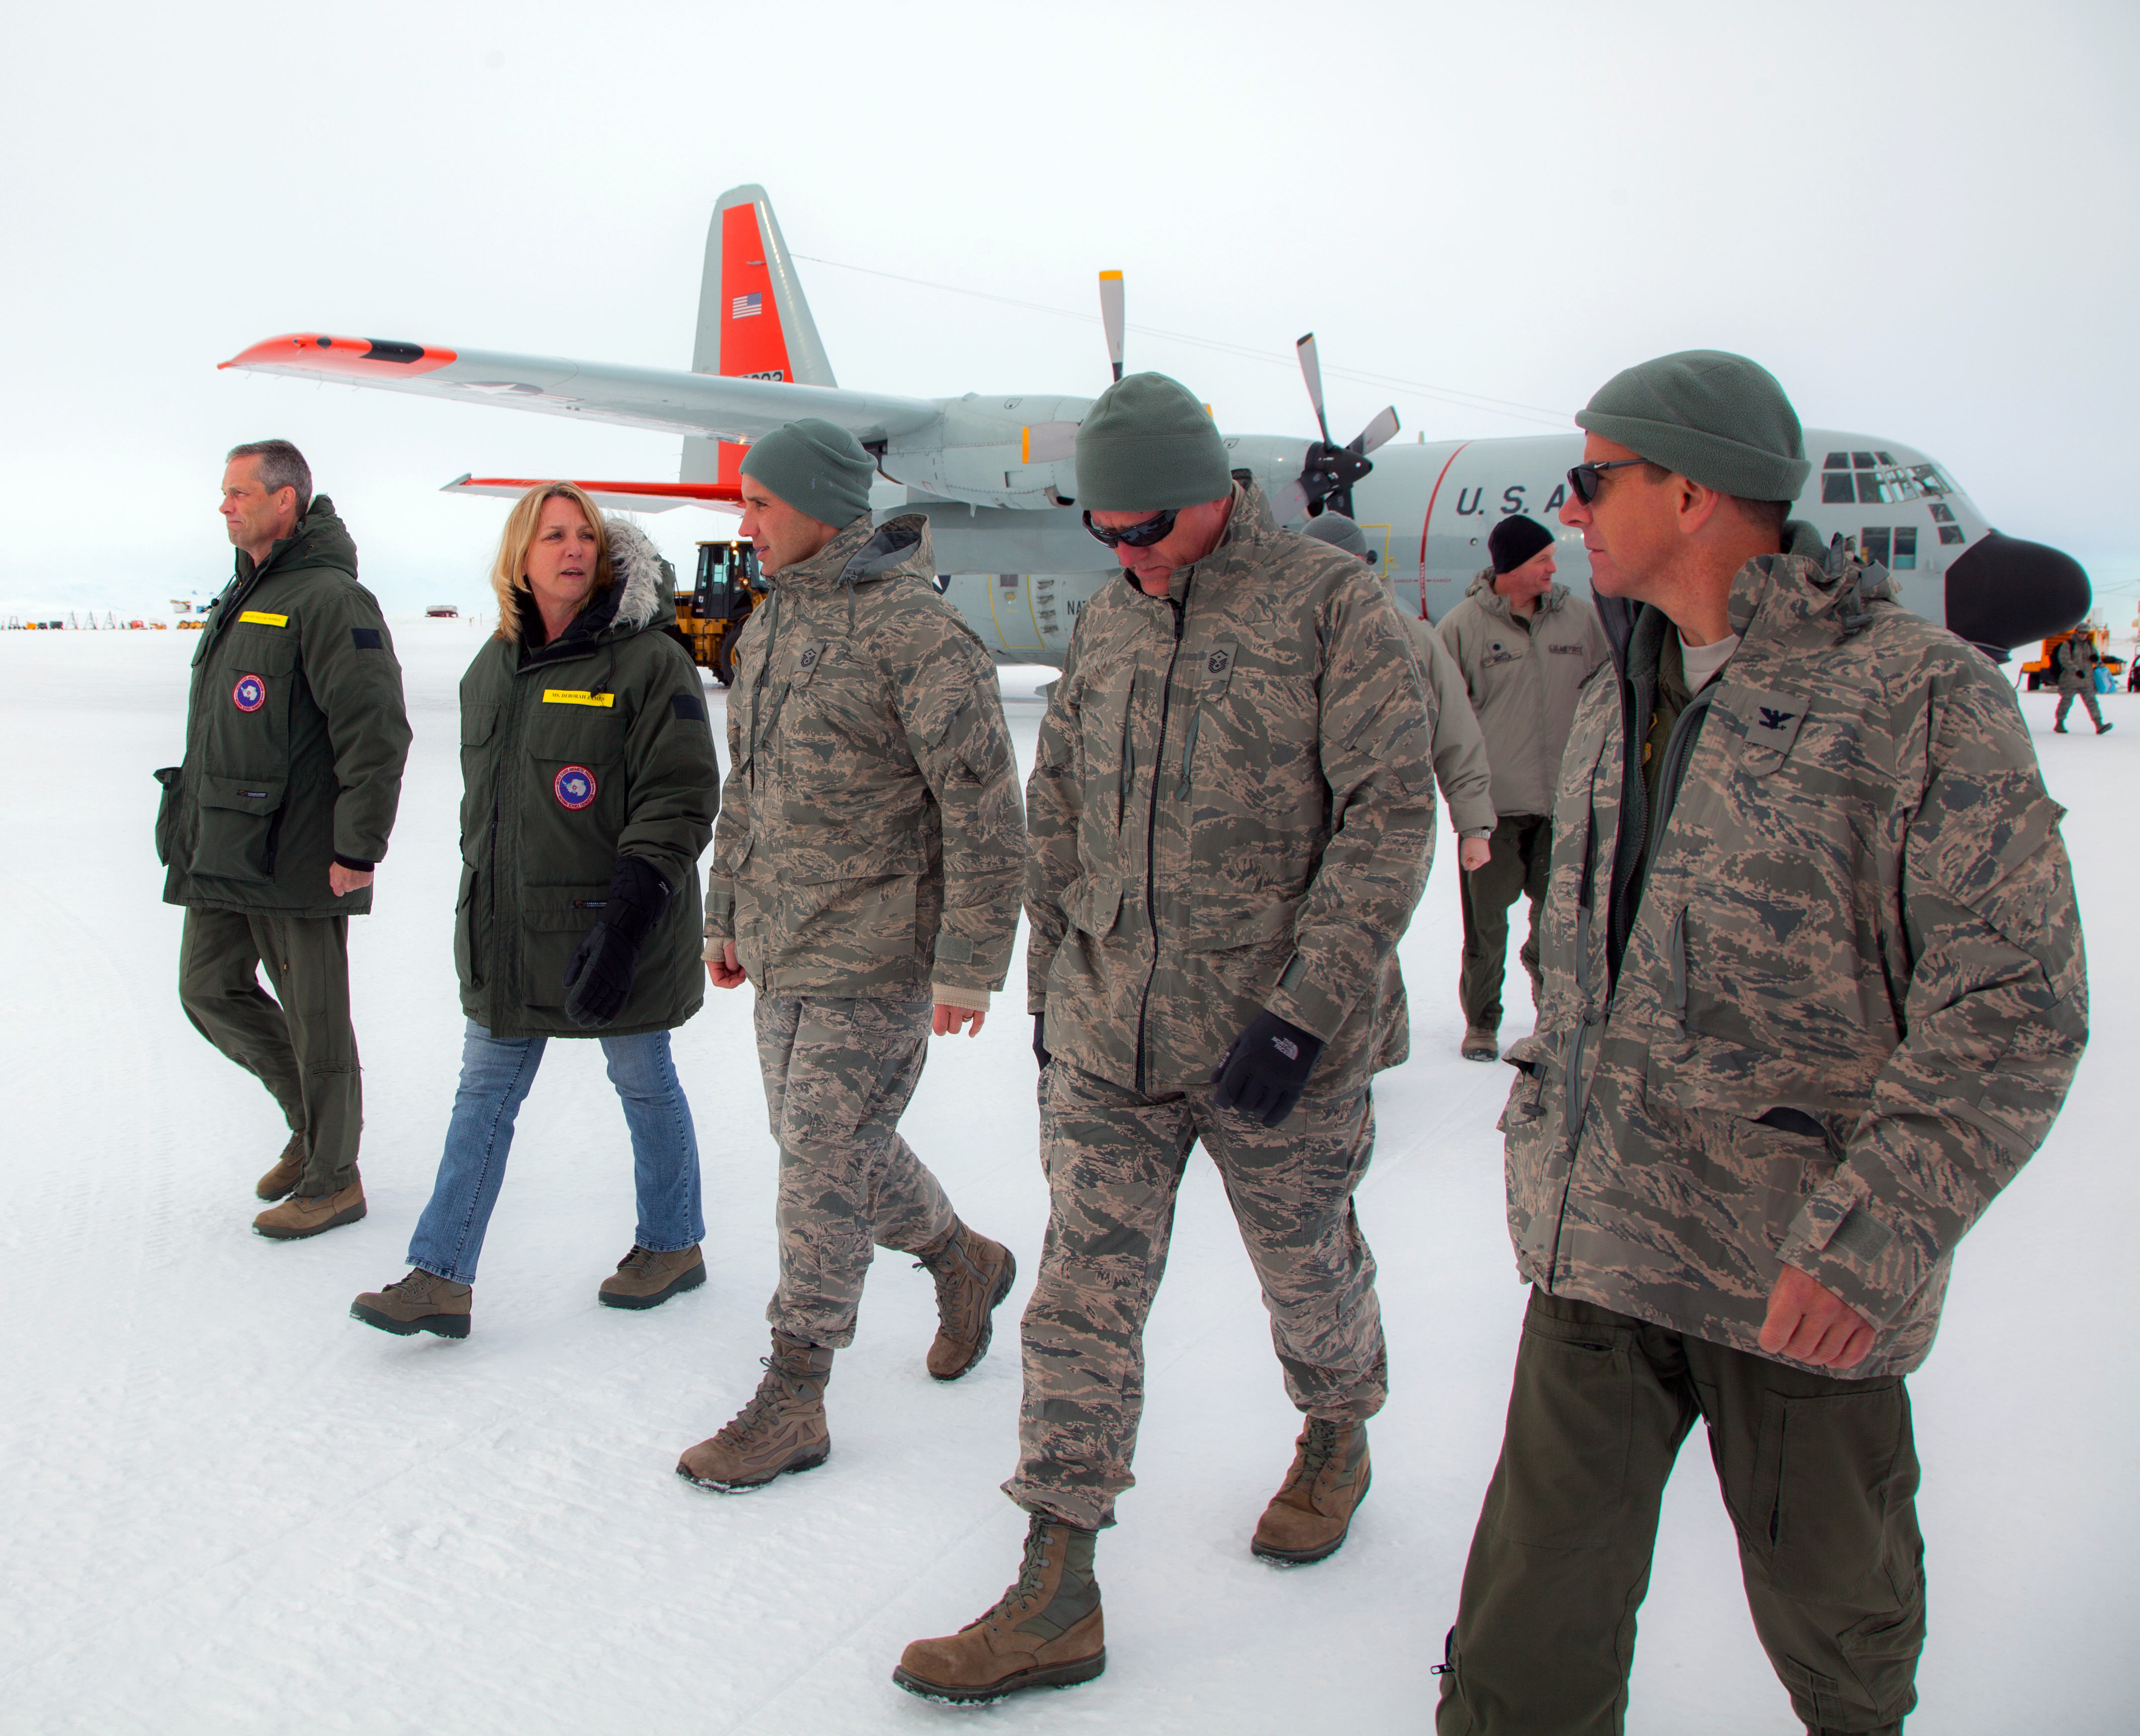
(1263, 1072)
(599, 978)
(1040, 1039)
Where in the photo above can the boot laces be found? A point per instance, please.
(772, 1387)
(638, 1260)
(1028, 1583)
(1321, 1442)
(957, 1276)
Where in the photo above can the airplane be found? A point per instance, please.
(996, 476)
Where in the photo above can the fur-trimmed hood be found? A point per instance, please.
(645, 587)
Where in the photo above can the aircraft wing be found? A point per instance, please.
(665, 400)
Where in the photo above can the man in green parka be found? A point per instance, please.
(274, 825)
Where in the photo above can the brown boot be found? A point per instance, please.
(421, 1303)
(1308, 1518)
(1045, 1633)
(282, 1179)
(645, 1279)
(298, 1217)
(781, 1429)
(1480, 1044)
(973, 1276)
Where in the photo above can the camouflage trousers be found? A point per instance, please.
(838, 1074)
(1114, 1161)
(2083, 689)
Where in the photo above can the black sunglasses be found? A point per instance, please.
(1584, 478)
(1142, 534)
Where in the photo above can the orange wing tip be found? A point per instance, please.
(320, 352)
(730, 492)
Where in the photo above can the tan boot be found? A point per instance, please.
(781, 1429)
(298, 1217)
(282, 1179)
(973, 1276)
(645, 1279)
(1308, 1518)
(1045, 1633)
(1480, 1044)
(421, 1303)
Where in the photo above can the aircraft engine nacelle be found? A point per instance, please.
(1012, 452)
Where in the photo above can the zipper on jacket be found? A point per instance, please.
(1152, 829)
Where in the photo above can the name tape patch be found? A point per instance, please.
(261, 619)
(576, 696)
(576, 787)
(250, 693)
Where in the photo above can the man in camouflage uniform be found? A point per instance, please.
(865, 877)
(1232, 813)
(1525, 645)
(1814, 992)
(2075, 660)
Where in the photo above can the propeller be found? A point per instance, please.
(1111, 317)
(1328, 477)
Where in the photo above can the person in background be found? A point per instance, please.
(273, 827)
(864, 882)
(1461, 765)
(1525, 645)
(589, 787)
(1814, 992)
(2077, 660)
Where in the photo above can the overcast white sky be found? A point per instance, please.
(1920, 217)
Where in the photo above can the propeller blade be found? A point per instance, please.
(1111, 317)
(1379, 432)
(1311, 370)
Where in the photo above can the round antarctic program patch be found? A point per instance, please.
(575, 787)
(250, 693)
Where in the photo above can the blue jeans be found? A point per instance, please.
(495, 1077)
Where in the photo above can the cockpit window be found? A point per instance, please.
(1835, 489)
(1837, 461)
(1861, 461)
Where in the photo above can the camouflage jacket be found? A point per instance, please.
(1852, 993)
(1232, 808)
(870, 836)
(1523, 675)
(1461, 765)
(2075, 660)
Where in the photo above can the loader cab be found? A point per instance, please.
(726, 588)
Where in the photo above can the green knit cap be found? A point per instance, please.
(817, 467)
(1147, 444)
(1716, 417)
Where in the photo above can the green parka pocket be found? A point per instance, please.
(553, 920)
(464, 947)
(241, 819)
(167, 812)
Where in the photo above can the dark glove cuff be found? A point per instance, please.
(354, 866)
(637, 897)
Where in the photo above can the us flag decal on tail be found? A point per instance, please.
(745, 306)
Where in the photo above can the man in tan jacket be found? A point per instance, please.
(1526, 646)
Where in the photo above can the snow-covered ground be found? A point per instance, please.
(226, 1506)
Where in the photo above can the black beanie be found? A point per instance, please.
(1514, 539)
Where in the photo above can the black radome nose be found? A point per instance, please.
(2004, 592)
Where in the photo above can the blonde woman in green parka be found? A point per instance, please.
(589, 790)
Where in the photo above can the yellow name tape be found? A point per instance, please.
(260, 619)
(576, 696)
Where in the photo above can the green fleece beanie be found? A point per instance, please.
(1147, 444)
(1716, 419)
(817, 467)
